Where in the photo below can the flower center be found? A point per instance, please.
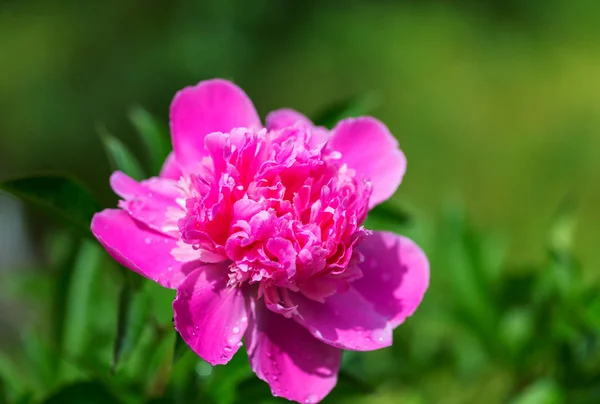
(279, 205)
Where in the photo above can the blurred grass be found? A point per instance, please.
(495, 103)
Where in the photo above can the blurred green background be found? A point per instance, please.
(496, 104)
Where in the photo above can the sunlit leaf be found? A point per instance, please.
(541, 392)
(62, 196)
(153, 136)
(78, 312)
(119, 156)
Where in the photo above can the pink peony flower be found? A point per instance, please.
(259, 229)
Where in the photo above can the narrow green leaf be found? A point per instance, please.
(14, 383)
(351, 107)
(62, 196)
(152, 135)
(541, 392)
(119, 156)
(181, 348)
(132, 317)
(223, 382)
(78, 313)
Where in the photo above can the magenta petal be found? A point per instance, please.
(346, 320)
(283, 118)
(139, 248)
(210, 316)
(152, 202)
(210, 106)
(395, 275)
(368, 147)
(296, 365)
(170, 168)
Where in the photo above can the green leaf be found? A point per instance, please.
(13, 382)
(351, 107)
(541, 392)
(153, 136)
(224, 380)
(62, 196)
(134, 306)
(86, 392)
(119, 156)
(388, 216)
(78, 312)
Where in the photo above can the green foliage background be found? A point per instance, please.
(495, 103)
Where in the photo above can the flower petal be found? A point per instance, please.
(153, 202)
(395, 275)
(139, 248)
(285, 117)
(170, 168)
(368, 147)
(346, 320)
(210, 316)
(296, 365)
(210, 106)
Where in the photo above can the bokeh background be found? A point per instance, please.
(496, 104)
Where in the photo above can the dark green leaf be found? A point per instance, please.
(61, 196)
(132, 317)
(388, 216)
(352, 107)
(85, 392)
(119, 156)
(152, 135)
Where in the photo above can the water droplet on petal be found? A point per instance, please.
(227, 349)
(380, 336)
(311, 399)
(147, 240)
(235, 330)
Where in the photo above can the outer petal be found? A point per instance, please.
(283, 118)
(368, 147)
(153, 202)
(296, 365)
(139, 248)
(210, 317)
(346, 320)
(210, 106)
(170, 168)
(395, 275)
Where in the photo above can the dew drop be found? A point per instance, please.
(235, 330)
(318, 334)
(147, 240)
(311, 399)
(227, 349)
(380, 336)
